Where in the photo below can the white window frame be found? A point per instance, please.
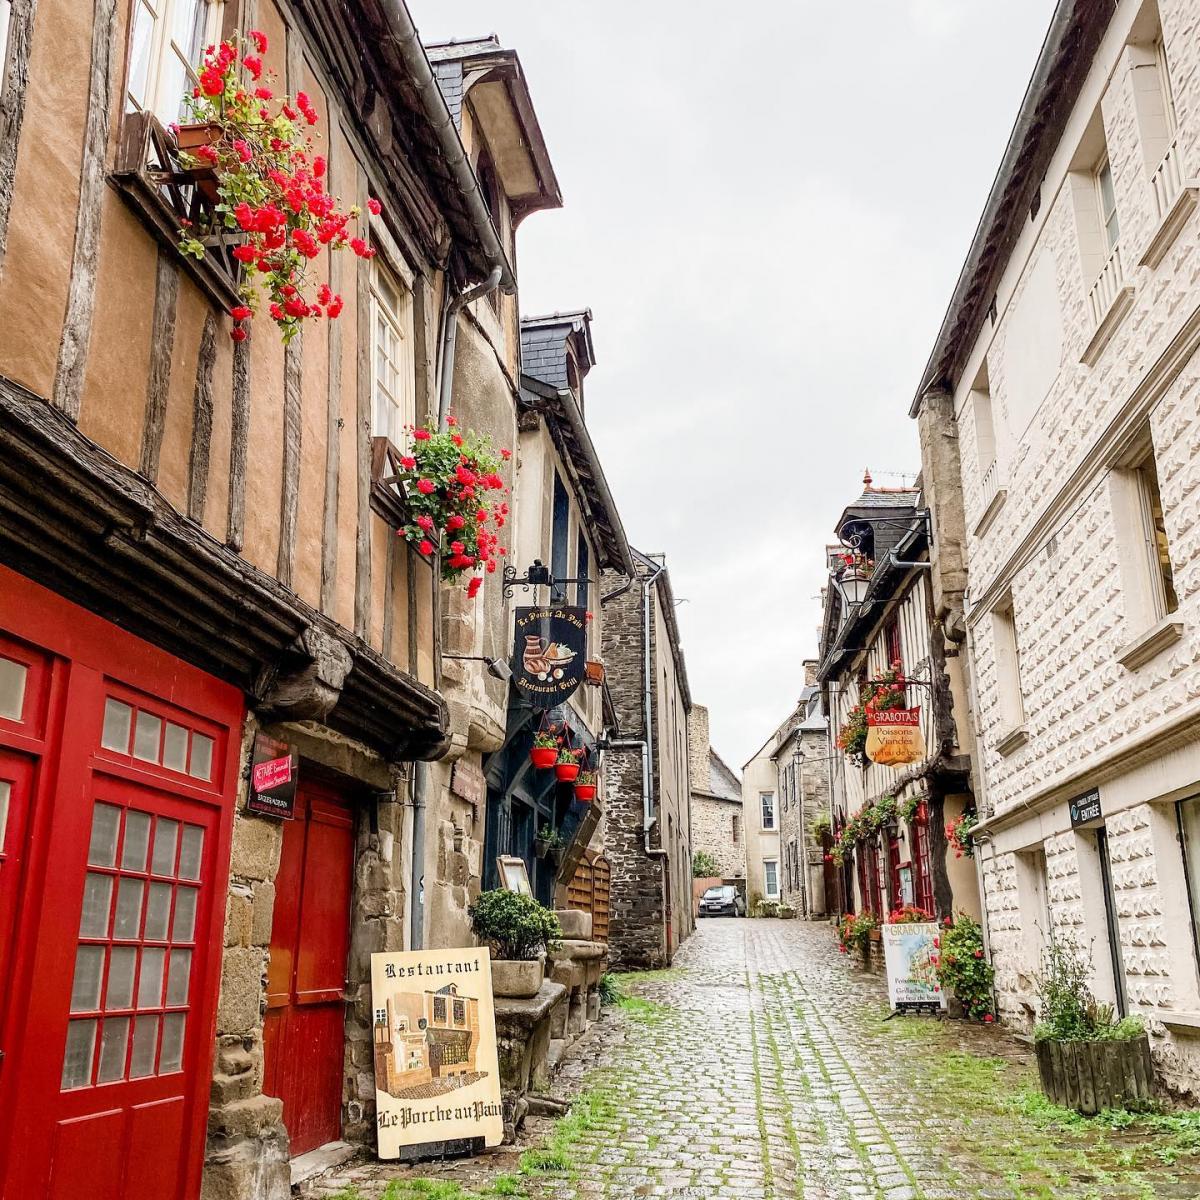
(160, 47)
(1164, 80)
(766, 799)
(1160, 573)
(390, 413)
(1107, 214)
(5, 25)
(1008, 664)
(768, 894)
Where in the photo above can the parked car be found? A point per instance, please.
(724, 900)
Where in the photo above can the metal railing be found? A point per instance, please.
(1108, 284)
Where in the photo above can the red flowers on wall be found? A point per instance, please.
(270, 188)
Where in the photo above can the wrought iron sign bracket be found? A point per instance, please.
(537, 576)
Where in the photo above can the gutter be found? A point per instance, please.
(450, 339)
(408, 42)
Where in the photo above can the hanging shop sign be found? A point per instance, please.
(437, 1075)
(1085, 809)
(548, 658)
(468, 782)
(910, 954)
(894, 738)
(274, 772)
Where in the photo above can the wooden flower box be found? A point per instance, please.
(1090, 1076)
(188, 139)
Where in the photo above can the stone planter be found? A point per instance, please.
(1090, 1076)
(517, 978)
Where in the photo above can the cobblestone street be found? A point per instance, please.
(762, 1066)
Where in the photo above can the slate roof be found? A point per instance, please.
(544, 345)
(723, 782)
(449, 76)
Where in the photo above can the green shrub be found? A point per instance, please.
(1067, 1010)
(855, 930)
(513, 926)
(963, 969)
(704, 866)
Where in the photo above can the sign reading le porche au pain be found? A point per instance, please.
(548, 658)
(437, 1076)
(894, 738)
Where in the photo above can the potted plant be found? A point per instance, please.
(822, 828)
(585, 787)
(544, 752)
(549, 844)
(1088, 1060)
(518, 931)
(566, 769)
(959, 835)
(854, 930)
(963, 969)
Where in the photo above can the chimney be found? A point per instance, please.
(810, 672)
(698, 747)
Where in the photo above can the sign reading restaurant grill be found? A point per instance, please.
(894, 737)
(1085, 808)
(548, 658)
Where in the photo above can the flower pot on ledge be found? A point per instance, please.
(517, 978)
(188, 139)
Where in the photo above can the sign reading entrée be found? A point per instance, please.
(894, 738)
(548, 659)
(273, 776)
(437, 1075)
(1085, 808)
(910, 955)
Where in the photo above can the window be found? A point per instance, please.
(439, 1010)
(5, 21)
(767, 801)
(394, 387)
(1189, 831)
(168, 37)
(771, 878)
(582, 565)
(984, 420)
(559, 537)
(892, 642)
(1164, 84)
(922, 862)
(1008, 666)
(735, 832)
(1106, 200)
(1154, 533)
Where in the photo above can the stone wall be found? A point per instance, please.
(712, 825)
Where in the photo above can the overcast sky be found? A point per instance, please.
(767, 204)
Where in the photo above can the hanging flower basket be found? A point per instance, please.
(567, 768)
(585, 787)
(544, 753)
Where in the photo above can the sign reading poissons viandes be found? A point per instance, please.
(548, 658)
(894, 737)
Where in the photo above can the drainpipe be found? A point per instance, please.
(647, 714)
(450, 339)
(416, 908)
(408, 44)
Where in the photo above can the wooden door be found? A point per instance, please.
(305, 1032)
(118, 766)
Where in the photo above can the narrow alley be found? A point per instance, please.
(762, 1066)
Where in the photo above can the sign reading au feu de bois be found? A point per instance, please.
(548, 658)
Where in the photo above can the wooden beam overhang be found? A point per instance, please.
(76, 520)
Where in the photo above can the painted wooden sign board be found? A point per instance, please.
(894, 737)
(437, 1075)
(910, 953)
(548, 658)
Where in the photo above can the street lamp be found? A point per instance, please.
(851, 584)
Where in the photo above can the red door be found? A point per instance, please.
(118, 766)
(305, 1034)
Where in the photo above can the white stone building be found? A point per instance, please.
(1063, 390)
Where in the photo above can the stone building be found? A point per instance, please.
(785, 790)
(1059, 400)
(802, 761)
(647, 830)
(879, 624)
(718, 826)
(198, 546)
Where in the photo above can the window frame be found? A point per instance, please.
(766, 798)
(1007, 651)
(1170, 116)
(401, 324)
(767, 893)
(1156, 545)
(161, 44)
(1112, 238)
(1191, 883)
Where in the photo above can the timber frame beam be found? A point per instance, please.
(76, 520)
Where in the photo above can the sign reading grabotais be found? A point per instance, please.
(894, 737)
(548, 658)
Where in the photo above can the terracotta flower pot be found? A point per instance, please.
(585, 793)
(566, 772)
(543, 757)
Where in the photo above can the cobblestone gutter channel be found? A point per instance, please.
(762, 1067)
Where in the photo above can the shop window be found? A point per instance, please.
(394, 378)
(12, 688)
(922, 862)
(150, 738)
(167, 40)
